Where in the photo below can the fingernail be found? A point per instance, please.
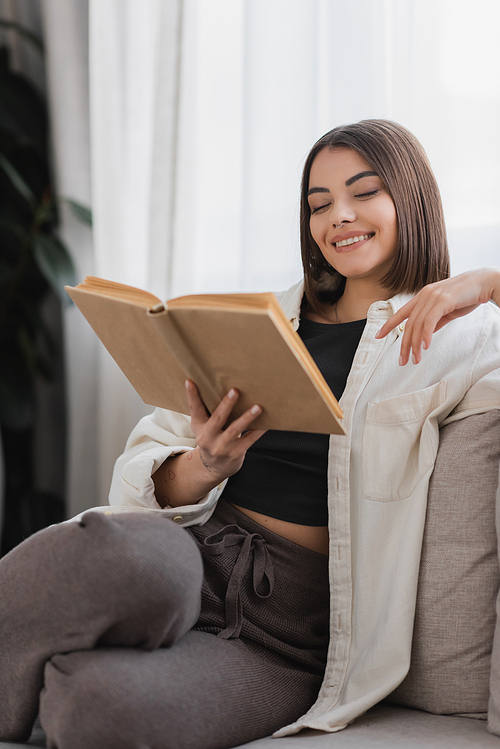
(232, 394)
(377, 334)
(414, 358)
(187, 384)
(424, 345)
(400, 361)
(255, 410)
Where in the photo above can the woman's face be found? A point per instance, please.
(344, 188)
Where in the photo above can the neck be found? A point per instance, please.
(354, 303)
(358, 298)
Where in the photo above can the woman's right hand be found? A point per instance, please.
(439, 303)
(222, 448)
(186, 477)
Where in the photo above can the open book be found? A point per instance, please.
(217, 340)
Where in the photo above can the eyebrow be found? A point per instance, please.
(360, 176)
(349, 182)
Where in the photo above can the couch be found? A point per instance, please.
(383, 727)
(451, 695)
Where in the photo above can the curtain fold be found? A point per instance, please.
(66, 40)
(134, 90)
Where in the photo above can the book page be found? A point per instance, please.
(247, 350)
(125, 330)
(118, 291)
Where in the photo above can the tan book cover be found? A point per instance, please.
(217, 340)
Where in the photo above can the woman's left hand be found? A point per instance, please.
(438, 304)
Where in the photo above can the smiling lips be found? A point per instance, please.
(352, 240)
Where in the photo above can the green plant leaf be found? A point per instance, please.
(55, 263)
(82, 212)
(24, 32)
(18, 182)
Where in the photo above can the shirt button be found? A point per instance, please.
(108, 512)
(177, 518)
(401, 326)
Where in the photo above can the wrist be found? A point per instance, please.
(211, 473)
(495, 286)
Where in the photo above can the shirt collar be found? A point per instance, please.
(291, 301)
(385, 309)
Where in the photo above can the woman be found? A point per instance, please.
(310, 557)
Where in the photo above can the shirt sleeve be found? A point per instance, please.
(483, 392)
(155, 438)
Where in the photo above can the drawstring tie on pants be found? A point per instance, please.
(253, 549)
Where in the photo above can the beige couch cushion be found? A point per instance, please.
(494, 704)
(459, 575)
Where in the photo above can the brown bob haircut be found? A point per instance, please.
(401, 163)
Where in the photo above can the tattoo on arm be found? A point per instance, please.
(208, 467)
(171, 474)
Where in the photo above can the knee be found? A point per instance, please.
(123, 564)
(150, 556)
(152, 549)
(84, 704)
(154, 565)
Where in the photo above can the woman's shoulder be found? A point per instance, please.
(291, 299)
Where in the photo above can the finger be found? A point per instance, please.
(250, 437)
(397, 318)
(415, 310)
(441, 308)
(199, 413)
(242, 423)
(421, 329)
(410, 328)
(413, 339)
(221, 414)
(421, 326)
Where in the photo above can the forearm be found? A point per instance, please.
(184, 479)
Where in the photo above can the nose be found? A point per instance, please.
(342, 215)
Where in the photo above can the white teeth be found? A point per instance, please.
(346, 242)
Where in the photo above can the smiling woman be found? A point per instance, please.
(277, 605)
(382, 164)
(343, 191)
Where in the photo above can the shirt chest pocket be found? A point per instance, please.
(400, 443)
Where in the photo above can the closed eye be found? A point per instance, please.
(367, 194)
(319, 208)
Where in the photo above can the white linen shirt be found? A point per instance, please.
(378, 477)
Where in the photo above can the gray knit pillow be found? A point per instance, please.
(459, 575)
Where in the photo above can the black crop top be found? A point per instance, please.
(284, 474)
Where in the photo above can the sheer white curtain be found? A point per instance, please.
(134, 89)
(202, 112)
(265, 79)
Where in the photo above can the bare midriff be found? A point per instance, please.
(313, 537)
